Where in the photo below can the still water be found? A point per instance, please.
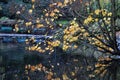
(16, 63)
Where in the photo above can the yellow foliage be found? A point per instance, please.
(69, 37)
(54, 43)
(30, 11)
(39, 25)
(49, 77)
(88, 20)
(47, 14)
(97, 71)
(96, 19)
(28, 31)
(73, 39)
(16, 28)
(91, 75)
(57, 78)
(65, 47)
(97, 12)
(65, 77)
(59, 4)
(28, 23)
(33, 6)
(37, 20)
(72, 73)
(56, 10)
(32, 1)
(104, 12)
(75, 46)
(103, 73)
(52, 14)
(86, 34)
(109, 14)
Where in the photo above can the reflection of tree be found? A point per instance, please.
(106, 69)
(104, 39)
(97, 30)
(72, 67)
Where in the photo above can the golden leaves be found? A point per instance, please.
(91, 75)
(54, 43)
(28, 24)
(97, 11)
(39, 25)
(59, 4)
(65, 77)
(88, 20)
(32, 1)
(109, 14)
(56, 10)
(65, 47)
(33, 68)
(52, 14)
(37, 20)
(69, 36)
(30, 11)
(47, 14)
(75, 46)
(16, 28)
(33, 6)
(73, 73)
(93, 17)
(104, 12)
(49, 75)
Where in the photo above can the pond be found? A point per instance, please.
(16, 63)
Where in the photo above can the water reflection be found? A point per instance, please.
(106, 69)
(57, 66)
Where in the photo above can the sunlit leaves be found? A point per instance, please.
(52, 14)
(39, 25)
(65, 77)
(59, 4)
(101, 67)
(28, 24)
(88, 20)
(32, 1)
(54, 43)
(16, 28)
(99, 15)
(101, 20)
(72, 33)
(97, 12)
(69, 37)
(30, 11)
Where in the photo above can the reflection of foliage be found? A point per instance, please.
(69, 70)
(98, 30)
(106, 69)
(102, 67)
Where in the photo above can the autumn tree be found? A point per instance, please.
(99, 30)
(90, 23)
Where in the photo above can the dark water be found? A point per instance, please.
(14, 58)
